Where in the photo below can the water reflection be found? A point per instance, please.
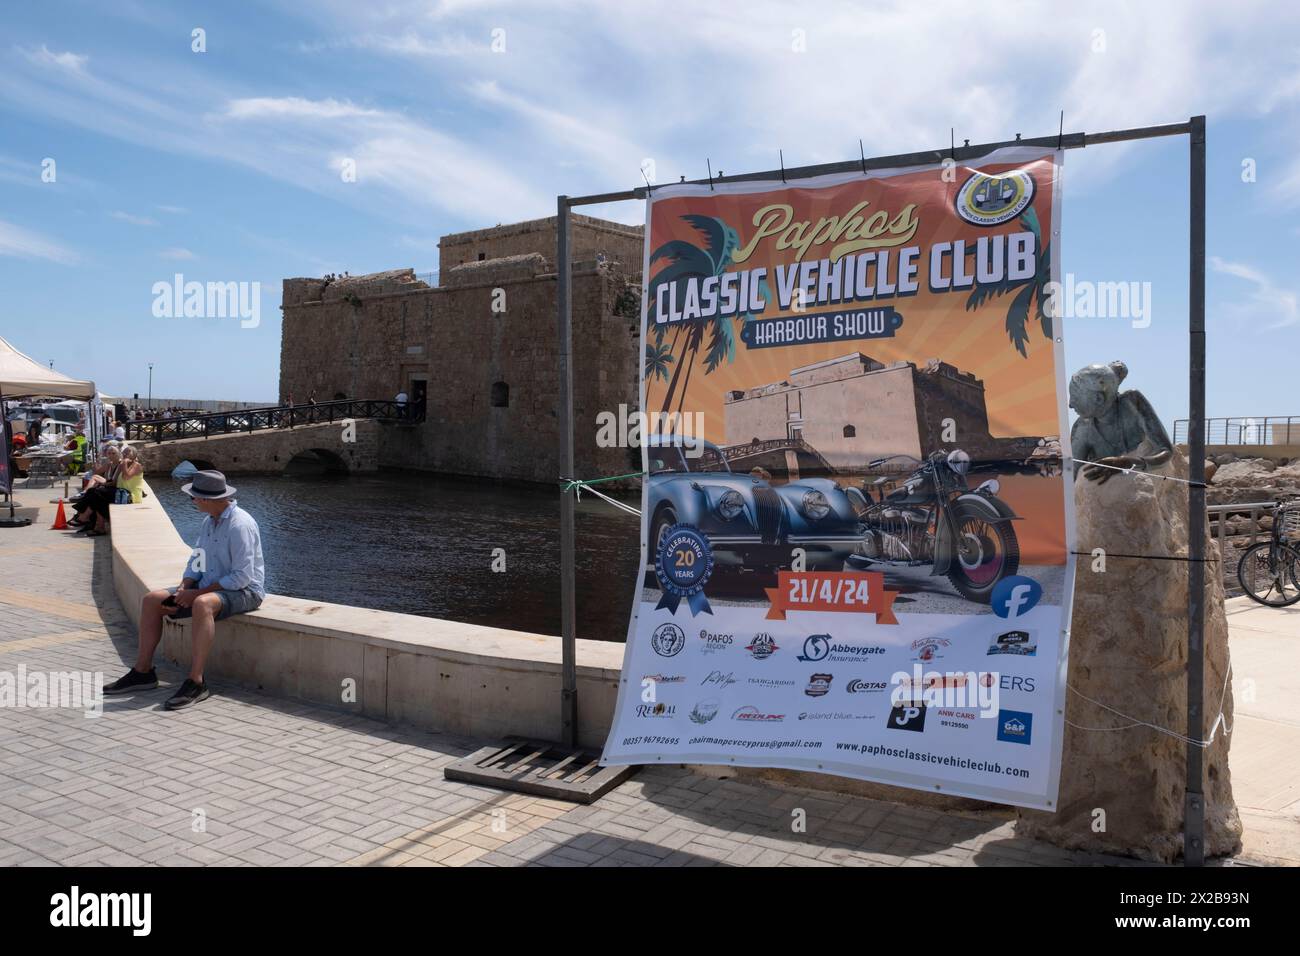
(422, 544)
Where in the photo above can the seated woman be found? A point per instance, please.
(130, 479)
(100, 490)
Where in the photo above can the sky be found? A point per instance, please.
(133, 149)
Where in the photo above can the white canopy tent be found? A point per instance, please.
(21, 377)
(24, 377)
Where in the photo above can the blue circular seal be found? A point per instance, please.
(683, 566)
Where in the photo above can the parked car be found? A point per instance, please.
(749, 522)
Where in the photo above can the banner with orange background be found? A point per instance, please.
(981, 309)
(856, 413)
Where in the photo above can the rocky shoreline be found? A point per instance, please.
(1240, 481)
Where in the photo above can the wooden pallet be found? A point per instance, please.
(540, 768)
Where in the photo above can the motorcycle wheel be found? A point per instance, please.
(985, 554)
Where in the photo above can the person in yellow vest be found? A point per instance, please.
(77, 445)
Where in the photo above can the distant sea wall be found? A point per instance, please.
(190, 404)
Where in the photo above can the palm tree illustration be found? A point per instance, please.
(657, 359)
(1032, 289)
(688, 260)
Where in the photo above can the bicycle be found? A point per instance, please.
(1275, 563)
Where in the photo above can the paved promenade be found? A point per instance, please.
(247, 779)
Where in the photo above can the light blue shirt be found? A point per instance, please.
(229, 553)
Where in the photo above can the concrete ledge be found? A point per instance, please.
(433, 674)
(438, 675)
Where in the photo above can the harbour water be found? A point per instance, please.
(423, 544)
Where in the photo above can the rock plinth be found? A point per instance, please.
(1128, 651)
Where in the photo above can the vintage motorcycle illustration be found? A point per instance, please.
(934, 518)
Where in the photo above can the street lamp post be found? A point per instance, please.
(151, 386)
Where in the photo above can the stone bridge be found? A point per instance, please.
(788, 456)
(270, 451)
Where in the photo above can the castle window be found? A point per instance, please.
(482, 256)
(850, 431)
(500, 395)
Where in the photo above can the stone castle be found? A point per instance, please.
(479, 349)
(853, 408)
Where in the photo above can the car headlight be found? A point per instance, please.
(815, 505)
(730, 505)
(959, 461)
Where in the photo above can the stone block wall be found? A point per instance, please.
(371, 346)
(944, 392)
(588, 239)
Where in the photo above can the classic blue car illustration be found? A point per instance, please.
(750, 523)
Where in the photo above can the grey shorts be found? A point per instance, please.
(232, 602)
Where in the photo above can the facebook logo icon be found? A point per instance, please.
(1015, 596)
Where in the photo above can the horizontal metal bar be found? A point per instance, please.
(1242, 419)
(924, 158)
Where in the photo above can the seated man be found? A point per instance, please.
(225, 576)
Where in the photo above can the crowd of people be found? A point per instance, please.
(150, 414)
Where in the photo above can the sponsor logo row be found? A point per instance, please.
(1013, 726)
(669, 640)
(929, 683)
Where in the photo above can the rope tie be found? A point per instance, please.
(1220, 720)
(1144, 474)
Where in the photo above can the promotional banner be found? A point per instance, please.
(856, 539)
(6, 478)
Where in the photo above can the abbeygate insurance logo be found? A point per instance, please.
(992, 200)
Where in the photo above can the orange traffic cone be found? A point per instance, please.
(60, 519)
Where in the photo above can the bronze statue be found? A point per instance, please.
(1115, 428)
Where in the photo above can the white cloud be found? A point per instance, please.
(294, 107)
(408, 44)
(133, 220)
(1268, 303)
(599, 86)
(411, 163)
(172, 210)
(24, 244)
(405, 167)
(177, 252)
(587, 90)
(73, 62)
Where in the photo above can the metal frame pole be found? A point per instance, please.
(564, 421)
(924, 158)
(1194, 806)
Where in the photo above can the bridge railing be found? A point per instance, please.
(248, 420)
(1249, 430)
(771, 444)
